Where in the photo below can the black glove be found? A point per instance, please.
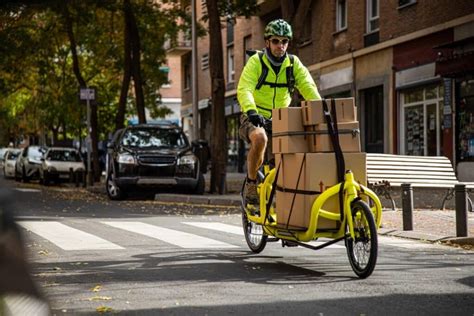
(256, 119)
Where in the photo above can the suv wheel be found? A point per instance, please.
(113, 190)
(201, 185)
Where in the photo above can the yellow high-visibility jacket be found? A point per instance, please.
(267, 97)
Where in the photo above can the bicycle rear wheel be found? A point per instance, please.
(362, 250)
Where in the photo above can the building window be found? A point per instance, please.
(405, 3)
(166, 71)
(205, 61)
(341, 15)
(230, 31)
(372, 16)
(230, 64)
(422, 119)
(187, 76)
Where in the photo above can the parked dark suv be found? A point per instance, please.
(151, 156)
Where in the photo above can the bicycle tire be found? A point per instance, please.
(365, 243)
(254, 236)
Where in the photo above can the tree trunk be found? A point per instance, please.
(82, 83)
(216, 65)
(127, 59)
(136, 70)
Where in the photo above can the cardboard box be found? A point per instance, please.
(313, 111)
(311, 173)
(349, 137)
(285, 122)
(290, 144)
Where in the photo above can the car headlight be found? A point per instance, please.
(126, 159)
(187, 160)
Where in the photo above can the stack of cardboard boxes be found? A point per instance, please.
(305, 155)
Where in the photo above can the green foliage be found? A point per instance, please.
(38, 89)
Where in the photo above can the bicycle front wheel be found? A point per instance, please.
(254, 236)
(362, 250)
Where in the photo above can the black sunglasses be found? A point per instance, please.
(276, 41)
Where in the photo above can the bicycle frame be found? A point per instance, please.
(352, 192)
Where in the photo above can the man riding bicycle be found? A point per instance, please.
(267, 82)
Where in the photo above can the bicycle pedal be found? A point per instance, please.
(287, 243)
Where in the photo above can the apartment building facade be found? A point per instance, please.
(408, 64)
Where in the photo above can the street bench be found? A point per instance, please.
(386, 171)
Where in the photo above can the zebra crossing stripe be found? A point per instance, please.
(170, 236)
(66, 237)
(27, 190)
(231, 229)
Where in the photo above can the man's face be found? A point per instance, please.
(277, 45)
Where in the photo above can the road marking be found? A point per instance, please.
(66, 237)
(174, 237)
(27, 190)
(231, 229)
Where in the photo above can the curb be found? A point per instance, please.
(217, 200)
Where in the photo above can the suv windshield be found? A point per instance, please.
(150, 137)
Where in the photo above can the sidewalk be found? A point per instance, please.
(431, 225)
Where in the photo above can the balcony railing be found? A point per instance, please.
(178, 45)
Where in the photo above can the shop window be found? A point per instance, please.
(422, 120)
(465, 121)
(341, 15)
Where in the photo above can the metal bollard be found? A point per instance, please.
(407, 206)
(71, 175)
(461, 210)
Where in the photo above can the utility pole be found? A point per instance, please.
(194, 72)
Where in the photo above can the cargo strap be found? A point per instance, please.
(334, 134)
(304, 192)
(354, 133)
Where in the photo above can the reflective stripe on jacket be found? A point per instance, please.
(267, 98)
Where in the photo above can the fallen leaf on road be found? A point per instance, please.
(104, 309)
(96, 288)
(57, 268)
(43, 252)
(100, 298)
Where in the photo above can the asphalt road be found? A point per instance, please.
(89, 254)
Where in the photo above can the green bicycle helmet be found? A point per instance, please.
(278, 28)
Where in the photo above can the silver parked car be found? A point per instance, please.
(59, 162)
(29, 162)
(3, 151)
(9, 162)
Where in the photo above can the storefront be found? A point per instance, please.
(455, 63)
